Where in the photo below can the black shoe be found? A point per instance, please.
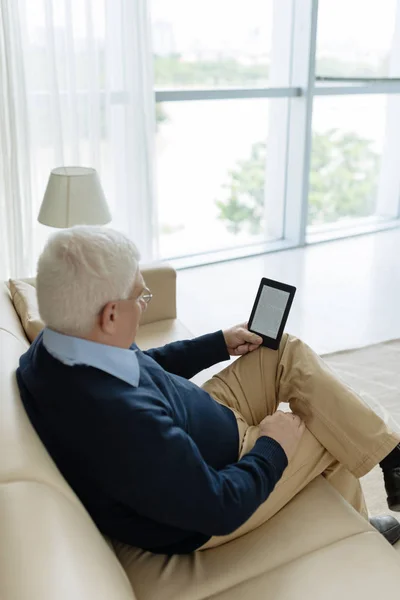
(388, 526)
(392, 485)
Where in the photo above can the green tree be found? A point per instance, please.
(343, 177)
(333, 67)
(245, 203)
(173, 71)
(343, 181)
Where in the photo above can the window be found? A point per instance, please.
(353, 180)
(355, 38)
(346, 174)
(212, 170)
(211, 44)
(277, 122)
(221, 122)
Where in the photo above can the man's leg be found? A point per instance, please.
(344, 438)
(310, 461)
(258, 382)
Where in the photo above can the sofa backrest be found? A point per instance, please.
(161, 279)
(49, 546)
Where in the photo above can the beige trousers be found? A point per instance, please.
(344, 438)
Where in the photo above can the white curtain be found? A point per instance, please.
(16, 235)
(77, 89)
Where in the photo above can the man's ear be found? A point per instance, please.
(108, 317)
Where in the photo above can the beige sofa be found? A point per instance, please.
(317, 547)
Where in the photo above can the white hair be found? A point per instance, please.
(79, 271)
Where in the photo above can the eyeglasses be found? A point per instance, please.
(146, 296)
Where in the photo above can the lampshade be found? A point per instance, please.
(74, 196)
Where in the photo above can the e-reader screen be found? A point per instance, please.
(271, 310)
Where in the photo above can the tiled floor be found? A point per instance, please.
(348, 292)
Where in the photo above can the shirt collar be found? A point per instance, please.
(119, 362)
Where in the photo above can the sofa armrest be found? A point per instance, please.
(161, 280)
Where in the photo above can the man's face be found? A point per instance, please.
(130, 312)
(119, 320)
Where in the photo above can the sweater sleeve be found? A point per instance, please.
(189, 357)
(168, 481)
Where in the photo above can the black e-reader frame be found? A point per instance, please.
(272, 342)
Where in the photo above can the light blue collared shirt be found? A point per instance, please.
(71, 351)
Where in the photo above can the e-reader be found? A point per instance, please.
(270, 311)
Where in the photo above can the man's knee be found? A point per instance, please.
(292, 343)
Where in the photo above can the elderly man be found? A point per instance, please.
(159, 462)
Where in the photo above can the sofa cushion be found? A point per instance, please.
(360, 567)
(25, 303)
(50, 549)
(27, 458)
(315, 518)
(9, 320)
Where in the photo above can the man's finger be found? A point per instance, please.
(242, 349)
(253, 347)
(251, 338)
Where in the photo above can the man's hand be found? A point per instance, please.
(240, 341)
(285, 428)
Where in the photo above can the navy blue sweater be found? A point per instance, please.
(156, 466)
